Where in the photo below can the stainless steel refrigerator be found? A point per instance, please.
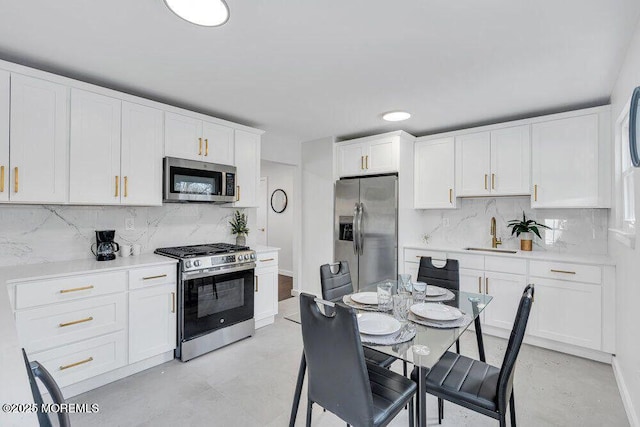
(366, 228)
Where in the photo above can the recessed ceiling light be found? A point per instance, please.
(396, 116)
(208, 13)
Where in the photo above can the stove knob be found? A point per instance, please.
(240, 257)
(187, 264)
(253, 256)
(196, 263)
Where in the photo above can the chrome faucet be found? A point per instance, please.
(494, 240)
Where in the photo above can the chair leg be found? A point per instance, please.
(458, 347)
(309, 409)
(411, 422)
(503, 421)
(404, 372)
(440, 410)
(512, 409)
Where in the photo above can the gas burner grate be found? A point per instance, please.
(200, 250)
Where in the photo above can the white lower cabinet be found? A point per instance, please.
(152, 321)
(265, 303)
(506, 290)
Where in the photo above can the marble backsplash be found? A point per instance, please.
(35, 234)
(578, 231)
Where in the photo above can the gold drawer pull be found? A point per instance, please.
(268, 259)
(493, 181)
(206, 147)
(126, 187)
(479, 284)
(535, 193)
(362, 162)
(1, 179)
(485, 181)
(451, 195)
(366, 162)
(15, 184)
(173, 302)
(154, 277)
(82, 362)
(563, 271)
(117, 186)
(75, 322)
(486, 285)
(200, 147)
(83, 288)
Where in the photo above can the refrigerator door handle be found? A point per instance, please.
(354, 229)
(360, 237)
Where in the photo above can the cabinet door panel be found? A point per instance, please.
(506, 290)
(382, 156)
(39, 130)
(567, 312)
(95, 149)
(183, 137)
(510, 161)
(152, 321)
(4, 135)
(266, 294)
(350, 159)
(141, 155)
(218, 144)
(434, 174)
(565, 162)
(247, 153)
(472, 281)
(473, 164)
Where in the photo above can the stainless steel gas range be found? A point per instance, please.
(215, 296)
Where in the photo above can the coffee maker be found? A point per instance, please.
(105, 247)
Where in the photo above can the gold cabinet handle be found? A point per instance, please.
(154, 277)
(206, 147)
(262, 229)
(486, 285)
(535, 193)
(83, 288)
(493, 181)
(485, 181)
(366, 162)
(117, 185)
(15, 184)
(82, 362)
(200, 147)
(563, 271)
(267, 259)
(451, 195)
(362, 162)
(75, 322)
(256, 283)
(479, 284)
(173, 302)
(1, 179)
(238, 195)
(126, 181)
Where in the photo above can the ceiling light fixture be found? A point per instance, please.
(208, 13)
(396, 116)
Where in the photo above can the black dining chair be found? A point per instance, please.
(477, 385)
(339, 379)
(336, 285)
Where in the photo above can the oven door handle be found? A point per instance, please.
(198, 274)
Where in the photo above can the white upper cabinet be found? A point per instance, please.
(218, 144)
(510, 161)
(141, 156)
(473, 164)
(494, 162)
(247, 155)
(434, 174)
(190, 138)
(565, 163)
(95, 149)
(370, 156)
(39, 150)
(4, 135)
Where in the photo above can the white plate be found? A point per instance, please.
(365, 298)
(434, 311)
(434, 291)
(377, 324)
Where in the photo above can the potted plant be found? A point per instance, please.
(525, 228)
(239, 227)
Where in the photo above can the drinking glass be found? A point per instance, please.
(404, 283)
(401, 303)
(419, 291)
(385, 290)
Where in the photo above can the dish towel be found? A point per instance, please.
(406, 333)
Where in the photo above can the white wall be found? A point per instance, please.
(627, 360)
(280, 225)
(316, 244)
(279, 148)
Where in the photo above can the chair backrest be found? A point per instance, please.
(335, 285)
(505, 380)
(445, 277)
(336, 370)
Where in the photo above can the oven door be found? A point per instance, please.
(215, 300)
(188, 180)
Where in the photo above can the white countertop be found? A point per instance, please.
(533, 255)
(263, 248)
(13, 374)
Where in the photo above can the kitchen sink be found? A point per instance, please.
(502, 251)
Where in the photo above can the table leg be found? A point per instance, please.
(296, 397)
(422, 396)
(479, 338)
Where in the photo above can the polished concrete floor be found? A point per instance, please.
(251, 383)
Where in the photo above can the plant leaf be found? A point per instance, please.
(535, 230)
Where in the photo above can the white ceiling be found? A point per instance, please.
(306, 69)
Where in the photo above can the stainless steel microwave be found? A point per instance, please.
(194, 181)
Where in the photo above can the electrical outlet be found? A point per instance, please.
(129, 224)
(445, 222)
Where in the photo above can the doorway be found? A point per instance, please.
(262, 220)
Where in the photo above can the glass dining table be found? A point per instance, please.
(423, 351)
